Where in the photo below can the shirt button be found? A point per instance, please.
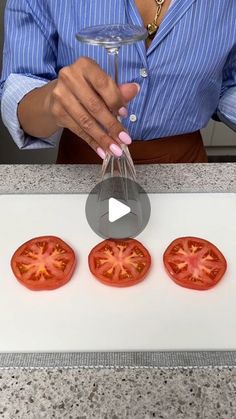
(133, 118)
(143, 72)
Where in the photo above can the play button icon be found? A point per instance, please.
(117, 208)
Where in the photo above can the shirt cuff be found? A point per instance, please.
(227, 108)
(15, 88)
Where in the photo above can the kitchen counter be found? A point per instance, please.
(171, 387)
(154, 178)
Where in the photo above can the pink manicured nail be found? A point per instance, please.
(138, 86)
(101, 153)
(125, 138)
(123, 112)
(116, 150)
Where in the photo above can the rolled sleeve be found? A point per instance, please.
(15, 88)
(29, 62)
(226, 110)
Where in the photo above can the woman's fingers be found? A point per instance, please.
(86, 95)
(129, 91)
(70, 113)
(73, 126)
(101, 115)
(100, 82)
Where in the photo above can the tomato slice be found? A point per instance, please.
(43, 263)
(194, 263)
(119, 263)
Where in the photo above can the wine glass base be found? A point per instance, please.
(112, 35)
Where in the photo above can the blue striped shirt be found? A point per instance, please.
(186, 75)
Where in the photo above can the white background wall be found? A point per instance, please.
(219, 139)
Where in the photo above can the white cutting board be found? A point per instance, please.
(86, 315)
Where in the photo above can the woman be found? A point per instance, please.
(171, 85)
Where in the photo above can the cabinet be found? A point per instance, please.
(219, 139)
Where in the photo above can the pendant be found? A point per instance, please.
(152, 28)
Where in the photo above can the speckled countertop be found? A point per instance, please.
(107, 392)
(81, 178)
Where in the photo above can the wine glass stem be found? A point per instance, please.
(113, 54)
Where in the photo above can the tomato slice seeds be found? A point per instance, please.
(194, 263)
(119, 263)
(43, 263)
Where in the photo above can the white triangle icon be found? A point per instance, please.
(117, 210)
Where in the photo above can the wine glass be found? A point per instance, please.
(112, 37)
(118, 178)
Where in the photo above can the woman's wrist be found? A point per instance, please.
(34, 112)
(52, 126)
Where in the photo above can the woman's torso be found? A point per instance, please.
(181, 72)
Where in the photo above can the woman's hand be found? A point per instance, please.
(86, 100)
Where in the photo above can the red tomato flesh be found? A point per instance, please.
(194, 263)
(43, 263)
(119, 263)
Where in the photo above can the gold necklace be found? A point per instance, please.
(152, 27)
